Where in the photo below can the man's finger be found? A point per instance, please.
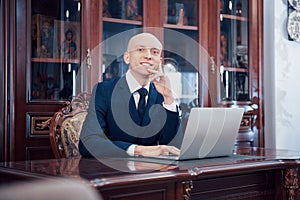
(173, 150)
(155, 72)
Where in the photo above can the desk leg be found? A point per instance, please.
(291, 183)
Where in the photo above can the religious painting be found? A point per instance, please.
(42, 36)
(66, 39)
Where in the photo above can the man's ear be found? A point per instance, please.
(126, 58)
(160, 64)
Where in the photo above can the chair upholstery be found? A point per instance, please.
(66, 126)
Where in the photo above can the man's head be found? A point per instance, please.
(143, 53)
(143, 39)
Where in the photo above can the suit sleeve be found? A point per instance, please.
(93, 141)
(171, 134)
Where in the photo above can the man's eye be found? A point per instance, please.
(141, 49)
(155, 51)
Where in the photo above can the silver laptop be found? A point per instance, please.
(210, 132)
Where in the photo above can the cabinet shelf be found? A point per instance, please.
(121, 21)
(227, 16)
(183, 27)
(244, 104)
(233, 69)
(55, 60)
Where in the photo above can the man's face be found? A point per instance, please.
(143, 58)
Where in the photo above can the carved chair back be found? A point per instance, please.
(66, 126)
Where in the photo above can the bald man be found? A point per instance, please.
(115, 104)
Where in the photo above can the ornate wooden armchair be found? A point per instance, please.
(66, 125)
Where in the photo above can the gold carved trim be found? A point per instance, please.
(291, 182)
(187, 187)
(40, 125)
(89, 59)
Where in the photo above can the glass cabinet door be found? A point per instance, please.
(55, 49)
(181, 49)
(121, 20)
(234, 66)
(181, 52)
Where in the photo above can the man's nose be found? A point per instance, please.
(148, 53)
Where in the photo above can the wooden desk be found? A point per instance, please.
(258, 174)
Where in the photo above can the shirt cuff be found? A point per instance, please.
(171, 107)
(131, 166)
(130, 150)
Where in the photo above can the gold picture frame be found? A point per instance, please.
(66, 39)
(42, 35)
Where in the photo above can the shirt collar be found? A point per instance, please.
(133, 84)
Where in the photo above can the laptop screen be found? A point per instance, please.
(210, 132)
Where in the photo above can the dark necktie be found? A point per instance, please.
(142, 103)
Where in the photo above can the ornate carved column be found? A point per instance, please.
(291, 183)
(187, 187)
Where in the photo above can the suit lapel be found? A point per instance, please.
(125, 93)
(152, 95)
(123, 88)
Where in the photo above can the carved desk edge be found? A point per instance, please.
(289, 170)
(184, 175)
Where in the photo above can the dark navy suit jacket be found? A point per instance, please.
(111, 125)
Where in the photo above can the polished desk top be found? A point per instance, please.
(114, 171)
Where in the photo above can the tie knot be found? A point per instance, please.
(143, 92)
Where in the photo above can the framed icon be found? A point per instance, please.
(67, 39)
(42, 33)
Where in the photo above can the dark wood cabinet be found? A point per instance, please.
(48, 44)
(36, 77)
(236, 46)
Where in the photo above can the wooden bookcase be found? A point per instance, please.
(197, 63)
